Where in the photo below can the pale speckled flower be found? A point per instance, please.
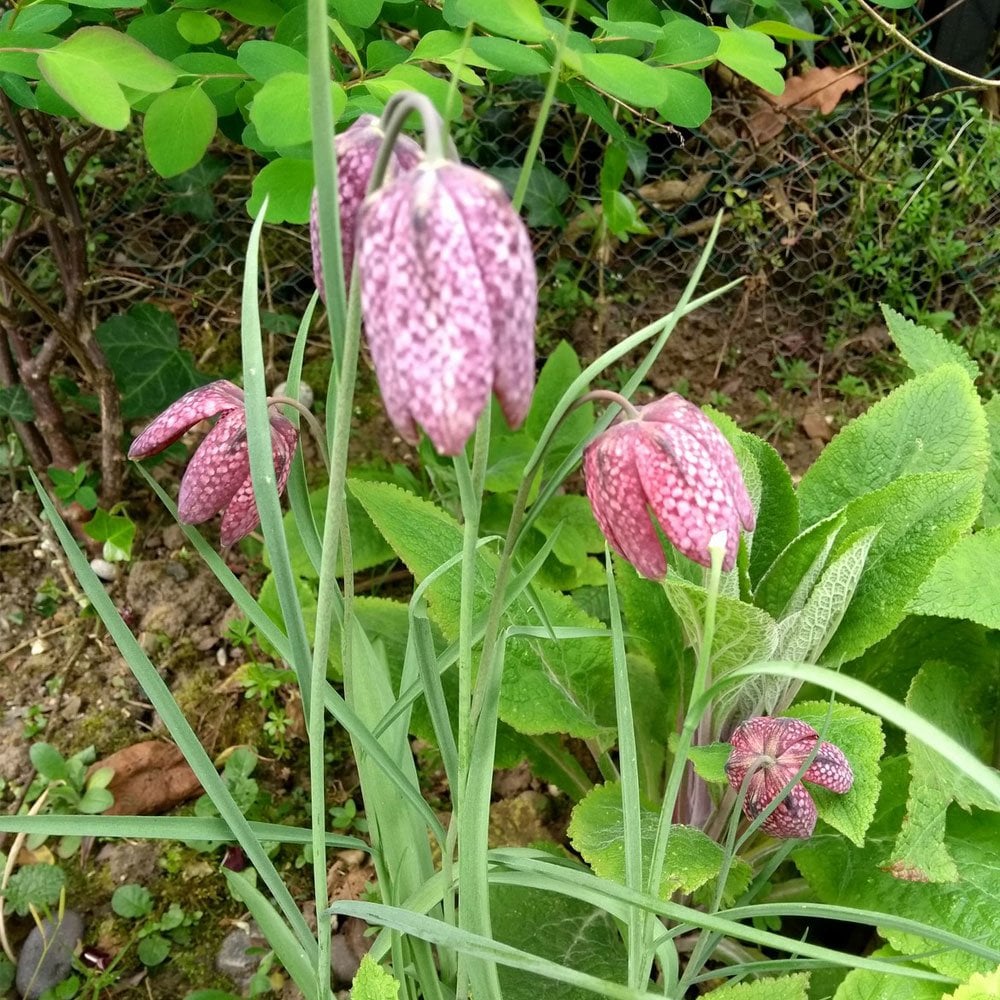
(670, 460)
(774, 748)
(449, 296)
(357, 149)
(217, 479)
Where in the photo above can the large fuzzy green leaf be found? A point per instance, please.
(693, 859)
(924, 349)
(933, 423)
(794, 987)
(954, 588)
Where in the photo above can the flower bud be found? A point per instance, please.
(357, 149)
(772, 750)
(217, 479)
(672, 460)
(449, 296)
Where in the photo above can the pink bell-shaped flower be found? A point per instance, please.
(357, 148)
(217, 479)
(449, 296)
(671, 460)
(774, 749)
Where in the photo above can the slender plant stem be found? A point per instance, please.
(535, 143)
(696, 708)
(310, 418)
(456, 68)
(473, 901)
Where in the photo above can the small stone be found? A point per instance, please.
(47, 955)
(240, 954)
(221, 656)
(174, 537)
(177, 571)
(38, 647)
(105, 570)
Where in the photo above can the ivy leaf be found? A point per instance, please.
(954, 588)
(933, 423)
(544, 197)
(560, 928)
(794, 987)
(597, 832)
(143, 350)
(116, 531)
(15, 403)
(372, 982)
(924, 349)
(859, 736)
(842, 874)
(961, 701)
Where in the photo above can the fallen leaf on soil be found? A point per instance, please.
(818, 89)
(150, 778)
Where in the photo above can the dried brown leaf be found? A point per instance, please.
(819, 89)
(150, 778)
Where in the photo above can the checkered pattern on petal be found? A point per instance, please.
(505, 260)
(216, 470)
(183, 414)
(830, 769)
(618, 499)
(357, 149)
(241, 516)
(426, 312)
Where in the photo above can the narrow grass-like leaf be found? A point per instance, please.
(290, 953)
(196, 828)
(262, 472)
(485, 949)
(180, 729)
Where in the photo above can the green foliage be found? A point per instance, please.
(953, 588)
(143, 350)
(693, 859)
(794, 987)
(156, 935)
(75, 485)
(372, 982)
(116, 530)
(34, 886)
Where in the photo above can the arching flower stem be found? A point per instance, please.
(319, 435)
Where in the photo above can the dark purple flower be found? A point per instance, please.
(357, 149)
(449, 296)
(670, 460)
(217, 479)
(774, 749)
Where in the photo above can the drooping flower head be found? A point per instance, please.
(449, 296)
(671, 460)
(774, 749)
(357, 149)
(217, 479)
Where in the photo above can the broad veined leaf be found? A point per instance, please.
(979, 987)
(510, 56)
(280, 111)
(794, 987)
(177, 129)
(563, 686)
(924, 349)
(991, 489)
(198, 28)
(88, 88)
(859, 735)
(919, 519)
(933, 423)
(866, 984)
(693, 859)
(743, 633)
(626, 78)
(560, 928)
(690, 100)
(372, 982)
(684, 43)
(264, 59)
(954, 588)
(845, 875)
(962, 701)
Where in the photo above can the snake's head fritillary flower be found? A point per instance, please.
(773, 749)
(357, 148)
(670, 460)
(217, 479)
(449, 296)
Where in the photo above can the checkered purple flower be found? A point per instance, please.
(669, 461)
(774, 749)
(357, 149)
(217, 479)
(449, 296)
